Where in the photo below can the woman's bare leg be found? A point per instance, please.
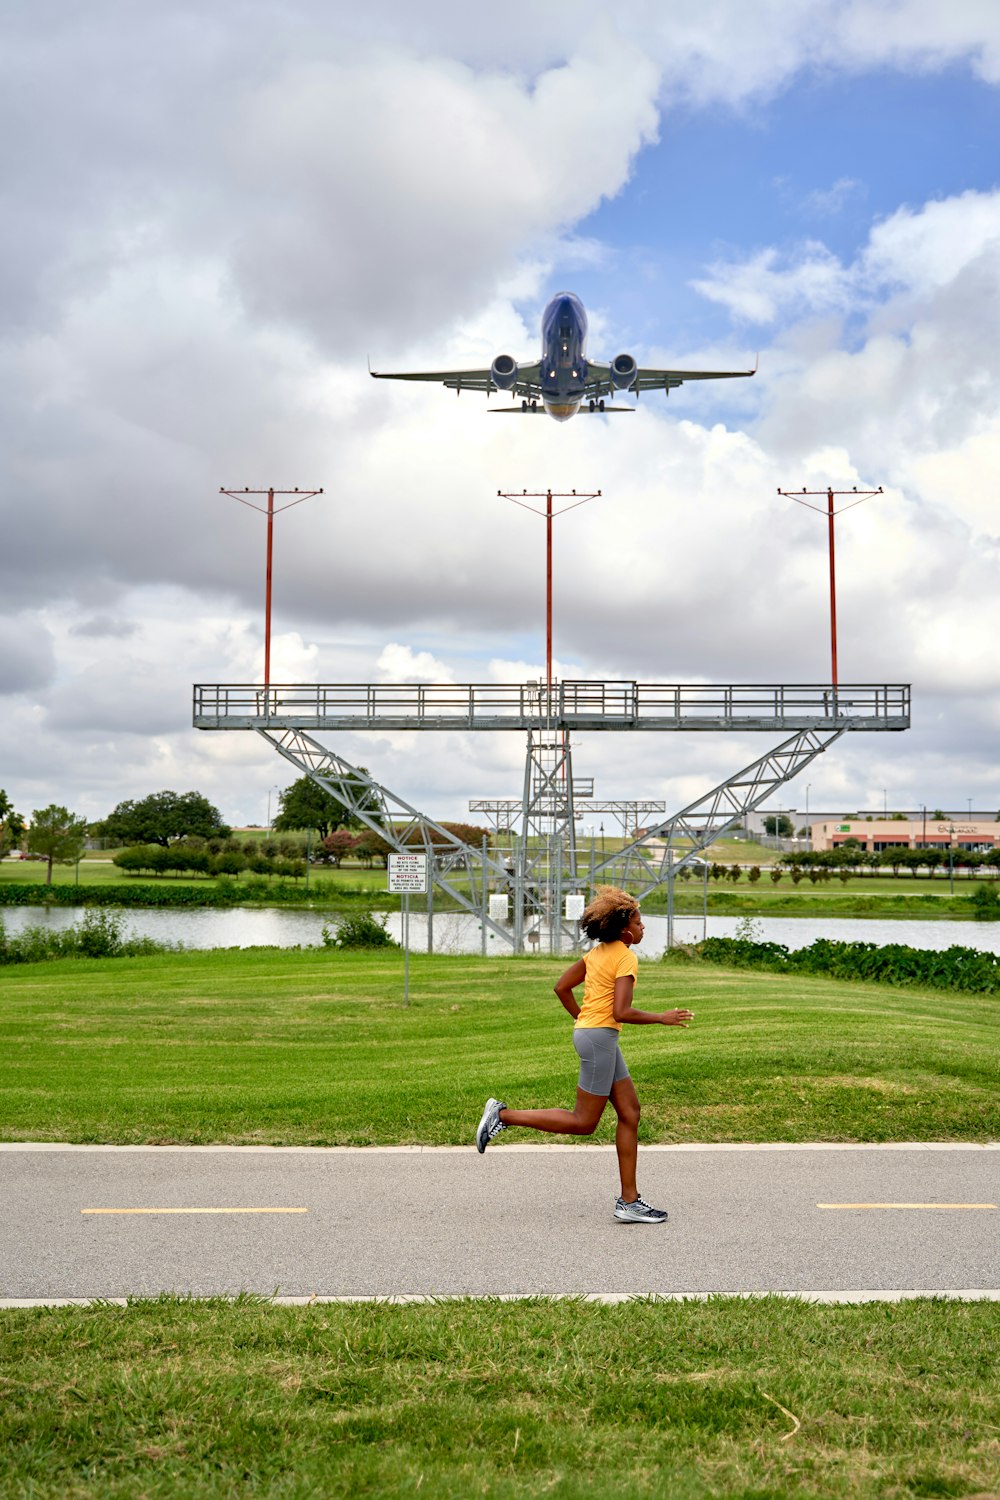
(583, 1120)
(625, 1102)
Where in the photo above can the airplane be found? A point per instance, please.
(564, 380)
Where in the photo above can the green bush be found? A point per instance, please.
(891, 963)
(99, 935)
(986, 904)
(361, 930)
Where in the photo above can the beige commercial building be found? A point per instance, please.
(913, 833)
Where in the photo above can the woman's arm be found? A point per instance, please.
(567, 983)
(624, 1013)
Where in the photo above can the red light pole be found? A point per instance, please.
(548, 496)
(270, 512)
(856, 498)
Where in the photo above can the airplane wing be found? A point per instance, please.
(599, 379)
(666, 380)
(527, 383)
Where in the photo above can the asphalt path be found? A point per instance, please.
(520, 1220)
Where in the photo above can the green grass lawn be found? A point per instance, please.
(753, 1398)
(756, 1398)
(315, 1047)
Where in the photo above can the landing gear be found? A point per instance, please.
(597, 405)
(524, 406)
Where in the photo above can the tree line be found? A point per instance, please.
(173, 832)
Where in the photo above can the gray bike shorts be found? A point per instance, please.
(601, 1060)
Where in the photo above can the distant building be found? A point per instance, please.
(913, 833)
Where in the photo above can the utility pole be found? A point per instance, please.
(269, 511)
(548, 496)
(547, 803)
(856, 498)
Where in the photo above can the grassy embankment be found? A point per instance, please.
(315, 1047)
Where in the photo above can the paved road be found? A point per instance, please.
(519, 1220)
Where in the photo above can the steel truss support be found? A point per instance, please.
(464, 873)
(546, 855)
(545, 860)
(679, 840)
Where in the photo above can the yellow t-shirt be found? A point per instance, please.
(605, 963)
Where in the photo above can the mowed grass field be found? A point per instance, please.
(757, 1398)
(763, 1397)
(316, 1047)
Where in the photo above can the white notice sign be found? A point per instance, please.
(408, 874)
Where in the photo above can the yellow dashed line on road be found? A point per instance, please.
(194, 1210)
(906, 1205)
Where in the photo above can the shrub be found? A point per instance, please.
(891, 963)
(361, 930)
(986, 904)
(99, 935)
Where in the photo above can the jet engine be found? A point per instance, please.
(623, 368)
(503, 372)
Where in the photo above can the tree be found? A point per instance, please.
(373, 846)
(913, 860)
(163, 816)
(57, 835)
(779, 826)
(892, 855)
(338, 843)
(11, 824)
(305, 804)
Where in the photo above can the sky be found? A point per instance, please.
(215, 216)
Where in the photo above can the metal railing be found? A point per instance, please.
(580, 705)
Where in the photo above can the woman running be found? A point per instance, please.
(608, 972)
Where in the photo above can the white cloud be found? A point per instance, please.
(223, 210)
(769, 285)
(399, 663)
(828, 202)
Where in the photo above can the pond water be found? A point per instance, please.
(246, 927)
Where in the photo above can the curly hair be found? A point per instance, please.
(608, 914)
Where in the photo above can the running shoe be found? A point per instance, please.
(639, 1212)
(490, 1124)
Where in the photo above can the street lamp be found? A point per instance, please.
(269, 791)
(951, 860)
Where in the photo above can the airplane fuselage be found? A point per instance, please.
(563, 378)
(563, 368)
